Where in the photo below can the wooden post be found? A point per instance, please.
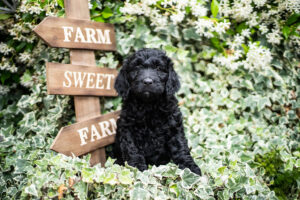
(85, 107)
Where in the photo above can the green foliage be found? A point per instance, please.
(290, 27)
(4, 16)
(214, 8)
(242, 124)
(281, 174)
(61, 3)
(118, 182)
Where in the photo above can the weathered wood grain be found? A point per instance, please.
(83, 137)
(76, 33)
(69, 79)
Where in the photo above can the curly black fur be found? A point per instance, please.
(150, 128)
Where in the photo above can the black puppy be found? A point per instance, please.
(150, 129)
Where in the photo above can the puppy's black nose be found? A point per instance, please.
(148, 81)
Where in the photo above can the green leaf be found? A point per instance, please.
(263, 102)
(222, 169)
(188, 9)
(216, 43)
(80, 190)
(252, 30)
(4, 76)
(29, 47)
(170, 49)
(139, 194)
(297, 163)
(125, 178)
(109, 162)
(60, 3)
(190, 33)
(293, 29)
(245, 47)
(31, 190)
(27, 76)
(4, 16)
(61, 13)
(214, 8)
(230, 32)
(20, 46)
(223, 195)
(248, 84)
(95, 13)
(99, 19)
(107, 12)
(189, 178)
(235, 94)
(174, 189)
(286, 31)
(250, 189)
(293, 18)
(111, 179)
(245, 157)
(181, 53)
(88, 174)
(241, 26)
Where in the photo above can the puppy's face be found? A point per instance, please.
(147, 75)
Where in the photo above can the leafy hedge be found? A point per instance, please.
(239, 66)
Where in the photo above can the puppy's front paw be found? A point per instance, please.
(196, 170)
(142, 167)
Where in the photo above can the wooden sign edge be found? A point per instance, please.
(47, 77)
(36, 31)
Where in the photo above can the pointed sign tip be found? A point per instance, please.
(53, 146)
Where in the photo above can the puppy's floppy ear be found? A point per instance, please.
(173, 84)
(121, 83)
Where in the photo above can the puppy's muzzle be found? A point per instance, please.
(148, 81)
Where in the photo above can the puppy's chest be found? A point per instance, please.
(151, 139)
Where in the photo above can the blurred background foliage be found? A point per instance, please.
(239, 66)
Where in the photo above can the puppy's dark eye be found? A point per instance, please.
(162, 75)
(160, 68)
(132, 74)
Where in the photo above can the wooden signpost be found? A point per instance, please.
(81, 77)
(80, 80)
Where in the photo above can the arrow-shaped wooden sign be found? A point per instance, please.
(83, 137)
(80, 80)
(76, 33)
